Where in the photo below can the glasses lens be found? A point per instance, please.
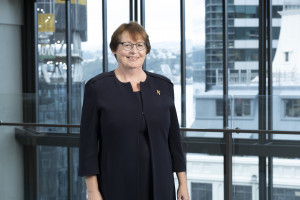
(140, 46)
(127, 46)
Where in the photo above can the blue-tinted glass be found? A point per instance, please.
(53, 173)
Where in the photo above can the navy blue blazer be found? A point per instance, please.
(109, 135)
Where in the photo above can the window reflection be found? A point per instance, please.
(52, 102)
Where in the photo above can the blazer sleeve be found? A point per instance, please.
(175, 145)
(89, 130)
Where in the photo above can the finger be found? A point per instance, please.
(179, 197)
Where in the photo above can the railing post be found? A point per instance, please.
(228, 166)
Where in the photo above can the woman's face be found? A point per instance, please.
(133, 58)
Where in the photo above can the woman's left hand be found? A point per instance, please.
(182, 192)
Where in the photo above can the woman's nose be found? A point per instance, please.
(134, 49)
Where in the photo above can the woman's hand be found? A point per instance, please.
(92, 188)
(183, 192)
(94, 195)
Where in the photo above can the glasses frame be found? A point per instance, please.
(131, 45)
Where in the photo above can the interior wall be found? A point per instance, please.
(11, 154)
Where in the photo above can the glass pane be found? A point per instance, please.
(285, 62)
(245, 177)
(201, 191)
(205, 176)
(242, 192)
(286, 98)
(117, 14)
(52, 67)
(91, 46)
(204, 61)
(244, 113)
(243, 64)
(52, 172)
(286, 193)
(286, 179)
(78, 184)
(164, 57)
(287, 117)
(195, 61)
(86, 57)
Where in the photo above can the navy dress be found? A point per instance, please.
(113, 147)
(145, 175)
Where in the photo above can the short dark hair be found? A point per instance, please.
(135, 30)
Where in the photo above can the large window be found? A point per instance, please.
(60, 87)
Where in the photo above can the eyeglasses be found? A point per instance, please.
(128, 46)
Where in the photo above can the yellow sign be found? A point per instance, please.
(60, 1)
(81, 2)
(46, 23)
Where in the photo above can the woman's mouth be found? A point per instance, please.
(132, 58)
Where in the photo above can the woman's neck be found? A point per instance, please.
(134, 76)
(130, 75)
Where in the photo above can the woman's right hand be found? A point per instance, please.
(92, 188)
(94, 195)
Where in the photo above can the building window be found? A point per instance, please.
(286, 194)
(241, 192)
(219, 107)
(242, 107)
(201, 191)
(292, 107)
(286, 56)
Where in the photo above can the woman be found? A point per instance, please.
(130, 143)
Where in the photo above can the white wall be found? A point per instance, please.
(11, 155)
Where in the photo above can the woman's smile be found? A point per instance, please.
(132, 58)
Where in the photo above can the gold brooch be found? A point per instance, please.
(158, 92)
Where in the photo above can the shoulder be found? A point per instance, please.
(159, 77)
(100, 78)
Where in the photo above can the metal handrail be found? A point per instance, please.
(236, 130)
(39, 125)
